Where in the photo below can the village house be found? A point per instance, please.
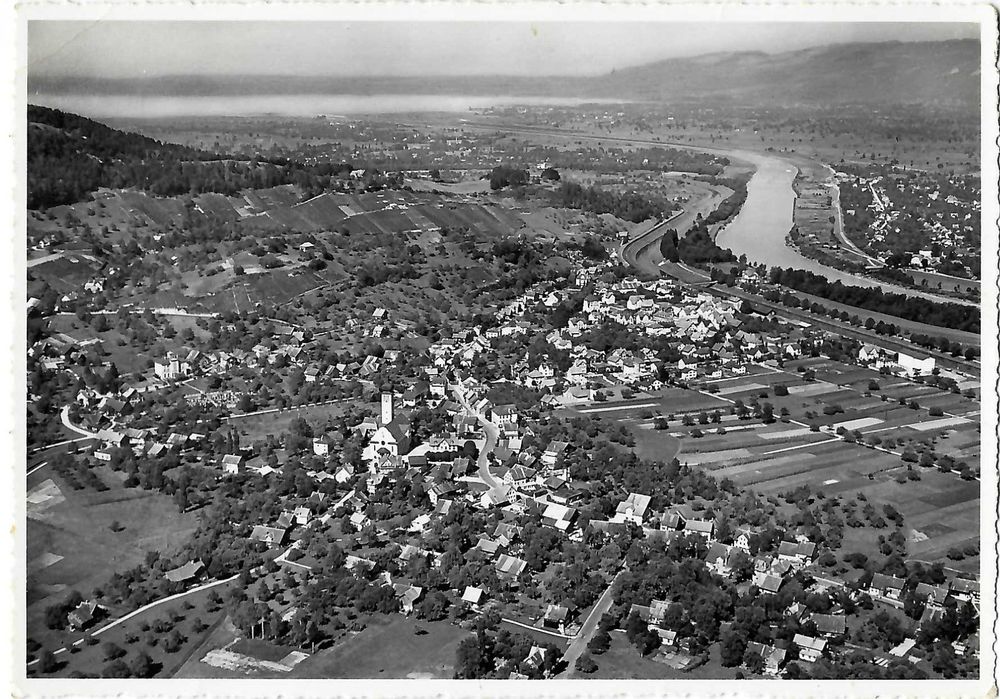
(474, 597)
(84, 614)
(829, 625)
(810, 649)
(773, 658)
(797, 553)
(185, 573)
(888, 586)
(632, 509)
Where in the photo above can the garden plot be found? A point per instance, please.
(941, 423)
(739, 387)
(812, 389)
(858, 423)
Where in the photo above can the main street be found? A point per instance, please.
(496, 489)
(589, 627)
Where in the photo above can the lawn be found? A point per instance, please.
(654, 444)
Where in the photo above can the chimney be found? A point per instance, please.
(387, 414)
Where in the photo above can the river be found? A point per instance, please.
(759, 229)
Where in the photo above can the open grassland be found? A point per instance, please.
(70, 544)
(254, 427)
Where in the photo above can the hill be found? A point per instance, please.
(941, 73)
(70, 157)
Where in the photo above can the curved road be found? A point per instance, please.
(496, 488)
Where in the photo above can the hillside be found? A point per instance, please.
(941, 73)
(70, 157)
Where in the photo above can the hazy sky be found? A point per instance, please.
(133, 49)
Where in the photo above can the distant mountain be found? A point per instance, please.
(945, 72)
(940, 73)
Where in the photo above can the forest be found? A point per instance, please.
(630, 206)
(70, 157)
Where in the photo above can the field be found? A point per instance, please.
(388, 648)
(194, 617)
(257, 427)
(70, 544)
(667, 401)
(941, 510)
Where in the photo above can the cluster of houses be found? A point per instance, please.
(896, 362)
(947, 228)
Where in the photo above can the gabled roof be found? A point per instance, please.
(510, 565)
(882, 581)
(829, 624)
(472, 595)
(185, 572)
(815, 644)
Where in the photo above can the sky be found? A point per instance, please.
(130, 49)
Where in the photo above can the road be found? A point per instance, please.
(64, 416)
(496, 489)
(838, 225)
(589, 627)
(172, 598)
(643, 251)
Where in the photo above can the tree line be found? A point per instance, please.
(948, 315)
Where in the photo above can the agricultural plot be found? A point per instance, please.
(665, 402)
(941, 512)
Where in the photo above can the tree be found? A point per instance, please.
(142, 665)
(116, 669)
(732, 647)
(600, 642)
(47, 662)
(586, 664)
(112, 650)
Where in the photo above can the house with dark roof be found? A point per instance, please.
(830, 625)
(798, 553)
(185, 573)
(272, 536)
(888, 586)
